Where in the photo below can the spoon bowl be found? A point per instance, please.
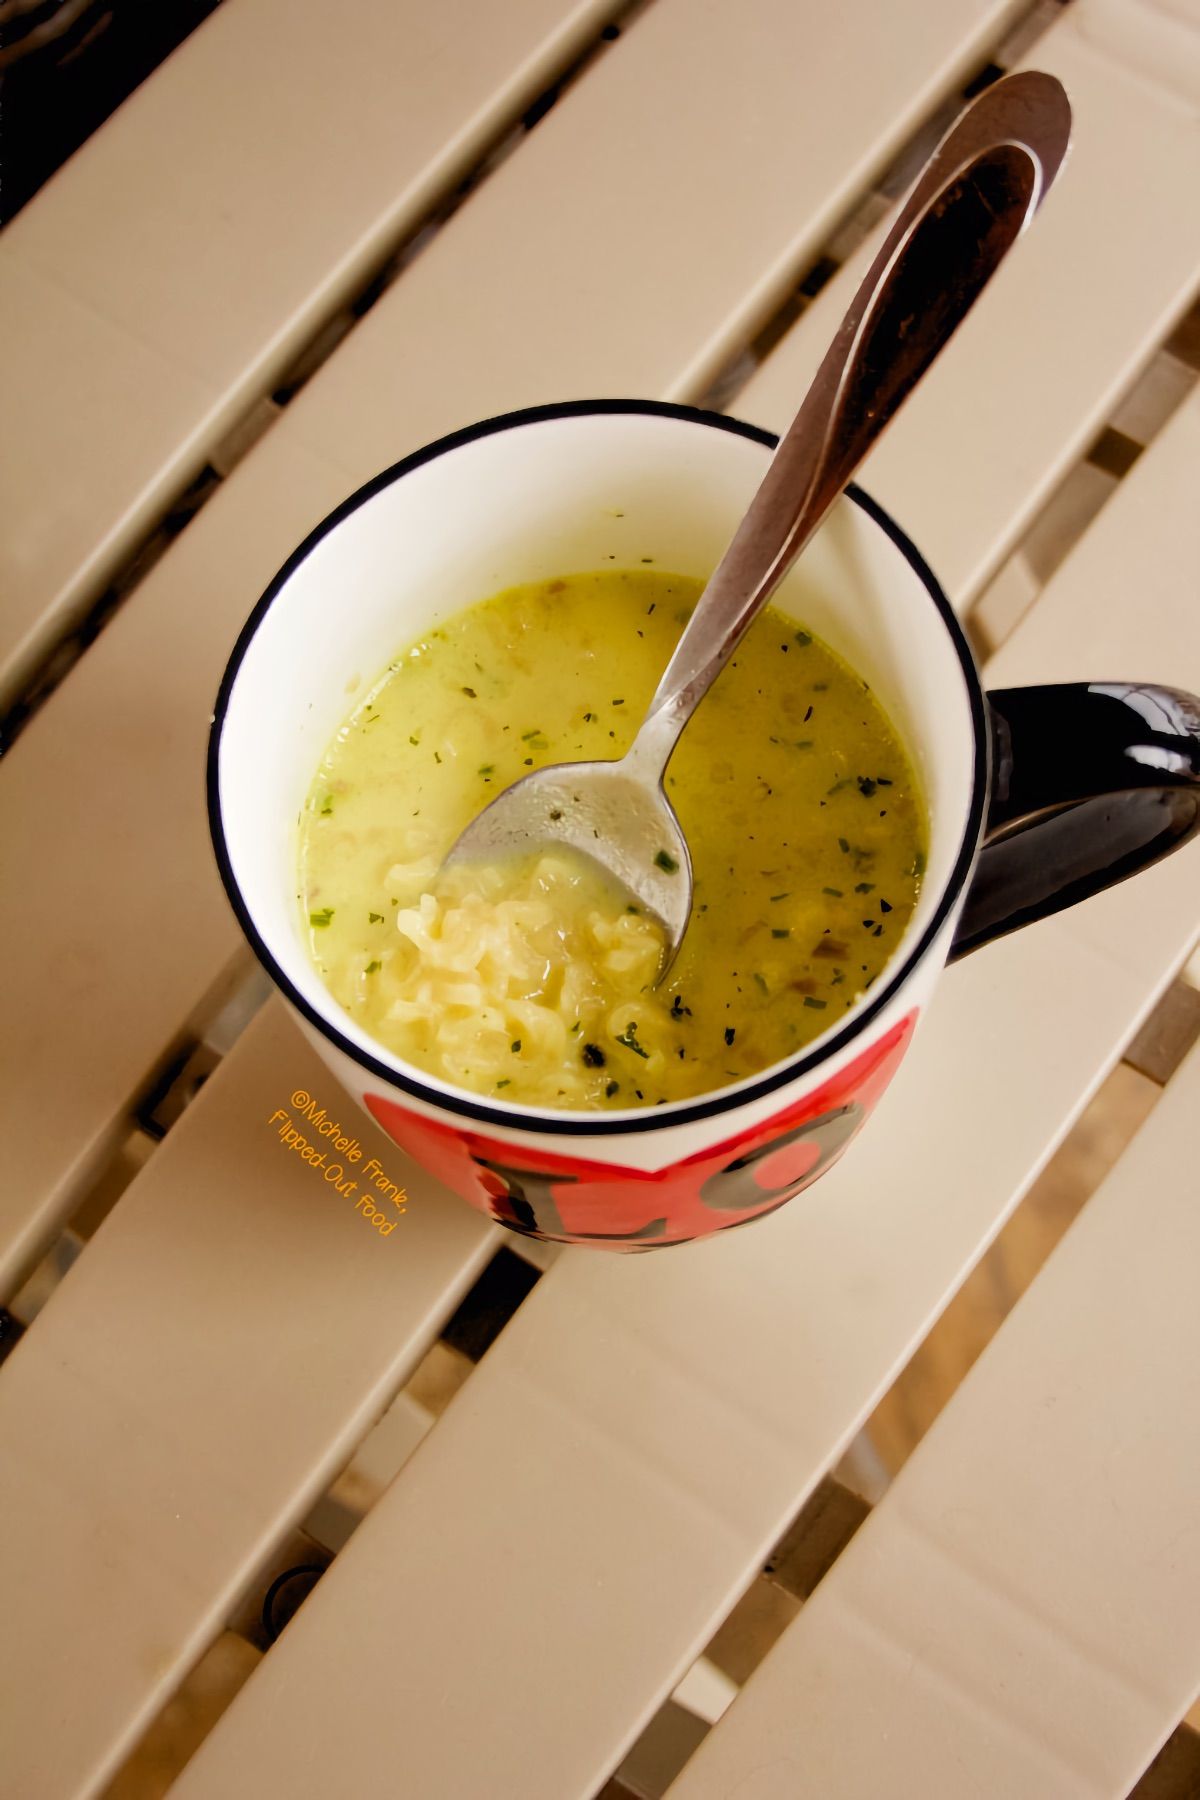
(607, 811)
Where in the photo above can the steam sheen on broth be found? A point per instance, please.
(533, 981)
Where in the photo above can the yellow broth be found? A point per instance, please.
(534, 983)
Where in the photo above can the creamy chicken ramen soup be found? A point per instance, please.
(535, 980)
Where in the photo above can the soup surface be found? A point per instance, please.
(533, 981)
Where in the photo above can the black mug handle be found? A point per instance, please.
(1091, 781)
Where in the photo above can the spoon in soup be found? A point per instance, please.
(974, 197)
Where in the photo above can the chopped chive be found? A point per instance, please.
(504, 1082)
(836, 892)
(374, 918)
(327, 806)
(761, 983)
(618, 703)
(775, 897)
(416, 739)
(610, 1088)
(818, 1005)
(666, 862)
(780, 932)
(527, 737)
(373, 967)
(864, 887)
(629, 1038)
(803, 639)
(487, 769)
(470, 693)
(593, 1056)
(322, 918)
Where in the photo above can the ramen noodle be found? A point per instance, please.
(534, 980)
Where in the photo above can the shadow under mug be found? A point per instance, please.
(1037, 797)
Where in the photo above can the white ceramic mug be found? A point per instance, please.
(1036, 797)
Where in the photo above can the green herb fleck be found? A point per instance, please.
(374, 918)
(780, 931)
(414, 738)
(775, 897)
(487, 770)
(817, 1005)
(803, 639)
(730, 1033)
(515, 1046)
(864, 887)
(504, 1082)
(836, 892)
(470, 693)
(320, 919)
(327, 806)
(629, 1038)
(373, 968)
(666, 862)
(593, 1056)
(610, 1089)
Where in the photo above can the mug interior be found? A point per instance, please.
(529, 499)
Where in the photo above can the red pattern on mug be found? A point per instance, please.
(577, 1200)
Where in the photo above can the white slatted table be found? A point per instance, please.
(226, 1340)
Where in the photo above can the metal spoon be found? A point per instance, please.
(974, 197)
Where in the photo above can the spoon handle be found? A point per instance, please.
(973, 199)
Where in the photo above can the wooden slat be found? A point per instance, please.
(614, 252)
(640, 1435)
(173, 268)
(206, 1368)
(1025, 1601)
(1112, 262)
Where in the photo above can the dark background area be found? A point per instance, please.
(64, 66)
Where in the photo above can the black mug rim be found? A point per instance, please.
(512, 1118)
